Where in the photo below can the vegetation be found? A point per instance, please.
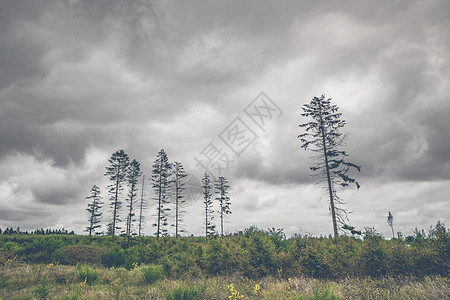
(255, 264)
(53, 281)
(253, 254)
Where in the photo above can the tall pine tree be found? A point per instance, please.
(222, 187)
(178, 179)
(94, 206)
(117, 172)
(323, 137)
(210, 229)
(134, 172)
(161, 182)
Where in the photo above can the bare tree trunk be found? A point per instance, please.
(221, 217)
(206, 222)
(140, 210)
(176, 206)
(159, 201)
(115, 202)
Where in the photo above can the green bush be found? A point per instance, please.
(114, 258)
(254, 253)
(87, 275)
(182, 292)
(81, 254)
(373, 257)
(152, 273)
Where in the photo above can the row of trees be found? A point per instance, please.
(221, 186)
(41, 231)
(322, 136)
(167, 181)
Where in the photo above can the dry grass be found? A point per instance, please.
(24, 281)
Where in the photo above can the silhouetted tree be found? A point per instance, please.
(323, 137)
(161, 183)
(142, 204)
(222, 187)
(390, 221)
(133, 174)
(94, 210)
(117, 172)
(178, 178)
(210, 229)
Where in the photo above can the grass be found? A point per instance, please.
(42, 281)
(152, 273)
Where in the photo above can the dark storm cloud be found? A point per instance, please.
(82, 79)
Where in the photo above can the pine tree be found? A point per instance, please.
(222, 187)
(109, 229)
(142, 205)
(117, 172)
(161, 183)
(93, 208)
(323, 137)
(390, 221)
(210, 229)
(179, 174)
(134, 172)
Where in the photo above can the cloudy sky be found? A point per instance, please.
(80, 80)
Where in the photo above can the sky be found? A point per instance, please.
(221, 84)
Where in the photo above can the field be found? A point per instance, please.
(25, 281)
(255, 264)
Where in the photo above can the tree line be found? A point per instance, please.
(168, 183)
(40, 231)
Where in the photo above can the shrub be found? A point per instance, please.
(373, 257)
(87, 275)
(81, 254)
(182, 292)
(115, 258)
(152, 273)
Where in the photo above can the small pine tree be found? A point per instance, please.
(161, 183)
(390, 221)
(109, 229)
(134, 172)
(117, 172)
(179, 174)
(222, 187)
(210, 229)
(93, 208)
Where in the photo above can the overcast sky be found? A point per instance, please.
(80, 80)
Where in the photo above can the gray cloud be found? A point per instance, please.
(82, 79)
